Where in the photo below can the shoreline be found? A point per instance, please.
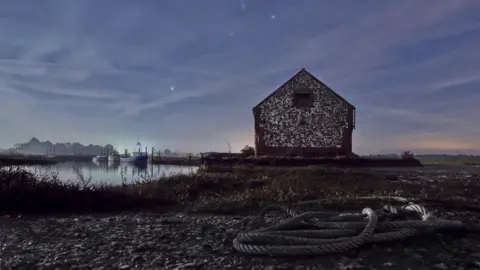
(11, 160)
(230, 161)
(180, 161)
(227, 190)
(215, 159)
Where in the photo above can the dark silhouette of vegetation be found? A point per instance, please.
(407, 155)
(222, 189)
(35, 146)
(248, 151)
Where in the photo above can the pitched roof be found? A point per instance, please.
(303, 70)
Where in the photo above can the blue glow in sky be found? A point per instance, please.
(186, 74)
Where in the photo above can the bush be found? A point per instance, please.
(407, 155)
(248, 151)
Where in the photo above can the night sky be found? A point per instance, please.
(185, 75)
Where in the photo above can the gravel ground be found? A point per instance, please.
(189, 241)
(180, 241)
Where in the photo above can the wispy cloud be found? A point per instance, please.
(64, 91)
(469, 78)
(411, 68)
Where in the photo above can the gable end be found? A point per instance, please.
(303, 70)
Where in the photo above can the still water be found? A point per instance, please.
(109, 173)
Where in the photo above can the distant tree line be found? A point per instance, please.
(36, 147)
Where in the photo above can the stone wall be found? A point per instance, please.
(321, 125)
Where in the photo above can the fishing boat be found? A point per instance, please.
(114, 157)
(100, 158)
(127, 159)
(137, 157)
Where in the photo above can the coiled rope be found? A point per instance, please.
(333, 232)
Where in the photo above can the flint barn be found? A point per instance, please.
(304, 117)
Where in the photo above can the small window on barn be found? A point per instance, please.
(303, 99)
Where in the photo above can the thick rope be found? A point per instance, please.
(338, 232)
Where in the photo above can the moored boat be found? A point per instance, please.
(127, 159)
(137, 157)
(114, 157)
(100, 158)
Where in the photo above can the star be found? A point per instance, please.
(242, 3)
(172, 88)
(231, 34)
(273, 17)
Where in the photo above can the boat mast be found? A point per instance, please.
(139, 146)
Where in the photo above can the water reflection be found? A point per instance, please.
(111, 173)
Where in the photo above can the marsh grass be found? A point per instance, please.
(240, 188)
(451, 160)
